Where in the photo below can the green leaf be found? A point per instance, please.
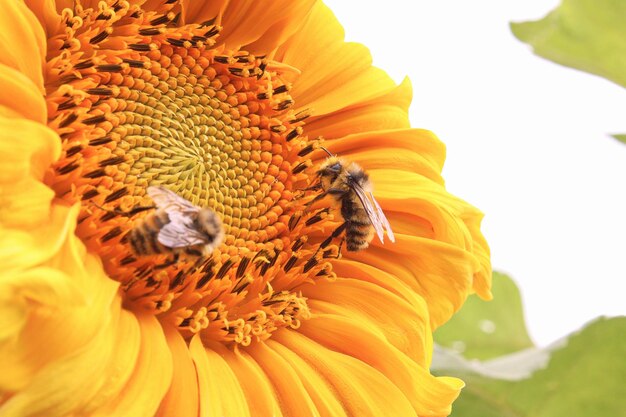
(621, 138)
(484, 329)
(584, 377)
(589, 35)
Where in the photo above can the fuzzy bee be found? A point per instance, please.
(349, 185)
(176, 227)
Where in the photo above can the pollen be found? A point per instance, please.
(140, 100)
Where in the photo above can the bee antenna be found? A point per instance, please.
(327, 151)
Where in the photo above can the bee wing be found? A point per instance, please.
(383, 219)
(375, 213)
(180, 231)
(170, 201)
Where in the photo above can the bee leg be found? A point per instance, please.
(136, 210)
(313, 187)
(313, 259)
(343, 240)
(170, 262)
(315, 200)
(335, 191)
(318, 216)
(295, 219)
(302, 192)
(128, 213)
(339, 230)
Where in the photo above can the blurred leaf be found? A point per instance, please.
(589, 35)
(584, 378)
(621, 138)
(512, 367)
(486, 329)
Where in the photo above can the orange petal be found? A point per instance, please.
(247, 21)
(335, 74)
(441, 273)
(361, 389)
(182, 398)
(405, 327)
(388, 110)
(365, 340)
(194, 11)
(22, 41)
(21, 94)
(289, 387)
(397, 190)
(255, 26)
(281, 29)
(46, 13)
(68, 4)
(320, 391)
(413, 150)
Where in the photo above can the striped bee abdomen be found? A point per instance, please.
(144, 236)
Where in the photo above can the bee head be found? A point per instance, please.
(329, 171)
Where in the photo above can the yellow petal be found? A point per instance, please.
(318, 388)
(361, 389)
(150, 378)
(27, 148)
(44, 286)
(22, 95)
(220, 391)
(335, 74)
(74, 321)
(254, 382)
(65, 385)
(364, 340)
(82, 380)
(125, 339)
(289, 387)
(21, 250)
(182, 397)
(65, 295)
(22, 41)
(441, 273)
(405, 327)
(387, 110)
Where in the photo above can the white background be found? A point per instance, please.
(527, 143)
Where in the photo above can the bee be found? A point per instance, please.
(176, 227)
(349, 185)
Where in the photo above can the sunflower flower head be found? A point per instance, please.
(233, 106)
(141, 99)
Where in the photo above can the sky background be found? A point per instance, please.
(527, 143)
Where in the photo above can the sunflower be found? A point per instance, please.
(231, 105)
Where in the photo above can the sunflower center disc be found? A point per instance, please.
(214, 126)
